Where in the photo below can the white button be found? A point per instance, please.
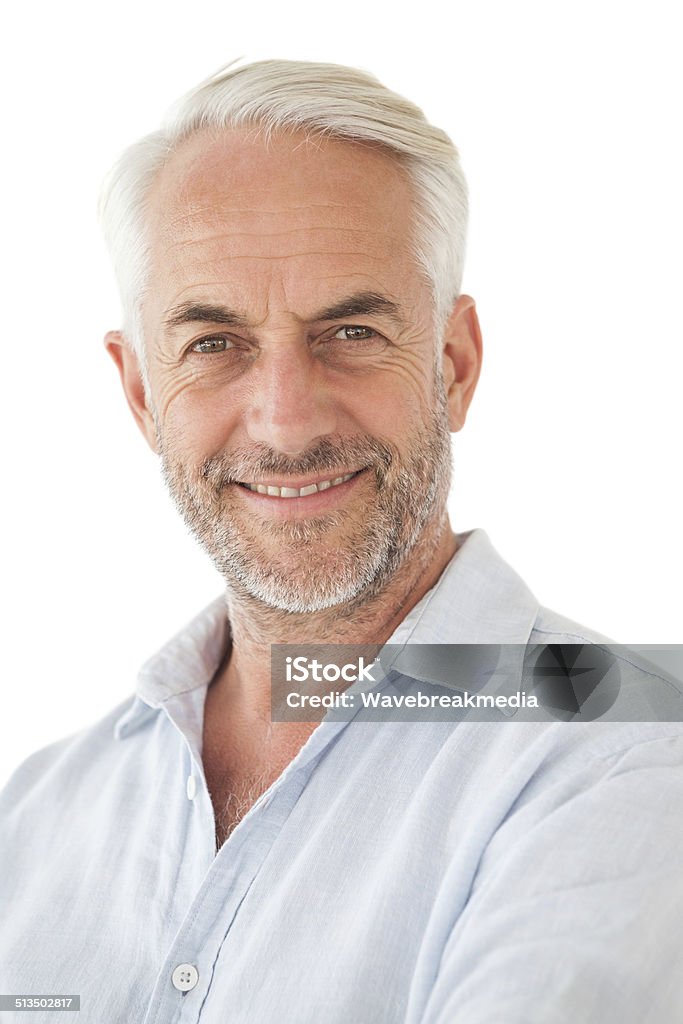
(185, 977)
(191, 787)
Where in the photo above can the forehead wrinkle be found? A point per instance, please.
(263, 237)
(191, 201)
(320, 253)
(214, 242)
(192, 210)
(184, 260)
(339, 234)
(194, 215)
(334, 229)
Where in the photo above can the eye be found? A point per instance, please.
(351, 343)
(350, 332)
(214, 343)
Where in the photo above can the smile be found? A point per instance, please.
(284, 491)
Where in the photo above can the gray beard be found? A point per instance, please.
(312, 576)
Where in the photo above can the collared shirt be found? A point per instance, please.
(435, 872)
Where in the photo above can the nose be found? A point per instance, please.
(290, 405)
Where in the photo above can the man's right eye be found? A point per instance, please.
(215, 343)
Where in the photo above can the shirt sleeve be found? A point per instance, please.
(579, 917)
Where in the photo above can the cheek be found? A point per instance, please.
(198, 423)
(394, 404)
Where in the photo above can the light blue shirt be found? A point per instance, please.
(504, 872)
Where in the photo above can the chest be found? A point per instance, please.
(240, 764)
(234, 789)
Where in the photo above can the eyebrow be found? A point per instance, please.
(203, 313)
(360, 304)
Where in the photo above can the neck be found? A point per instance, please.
(245, 674)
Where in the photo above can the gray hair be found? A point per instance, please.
(322, 99)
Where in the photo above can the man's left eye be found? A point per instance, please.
(215, 343)
(352, 333)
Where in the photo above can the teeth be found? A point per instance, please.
(298, 492)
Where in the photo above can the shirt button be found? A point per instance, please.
(191, 787)
(185, 977)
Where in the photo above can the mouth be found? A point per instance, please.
(287, 490)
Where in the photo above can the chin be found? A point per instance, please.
(307, 590)
(345, 581)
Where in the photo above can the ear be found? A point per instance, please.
(462, 355)
(126, 359)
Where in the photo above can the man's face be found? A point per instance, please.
(297, 394)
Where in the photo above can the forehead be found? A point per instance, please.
(293, 214)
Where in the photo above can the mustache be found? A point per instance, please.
(329, 454)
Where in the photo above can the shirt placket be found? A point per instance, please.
(185, 977)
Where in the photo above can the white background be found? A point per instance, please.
(568, 121)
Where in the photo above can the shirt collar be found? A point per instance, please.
(478, 599)
(188, 661)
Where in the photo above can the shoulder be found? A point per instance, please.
(655, 670)
(550, 623)
(629, 710)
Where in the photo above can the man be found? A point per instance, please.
(296, 349)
